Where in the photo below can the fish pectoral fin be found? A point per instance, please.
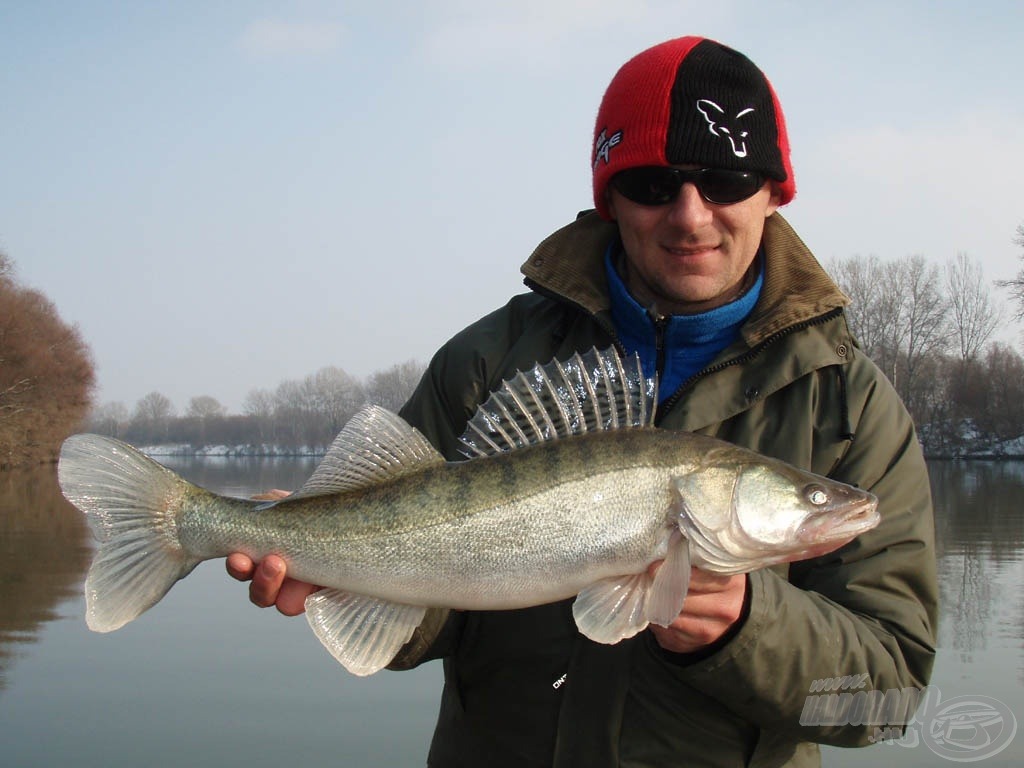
(613, 609)
(671, 583)
(363, 633)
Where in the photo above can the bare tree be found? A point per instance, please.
(1016, 285)
(205, 412)
(391, 388)
(898, 314)
(259, 405)
(925, 310)
(860, 279)
(973, 317)
(205, 407)
(109, 419)
(152, 417)
(1004, 385)
(335, 397)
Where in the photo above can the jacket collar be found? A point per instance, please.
(570, 264)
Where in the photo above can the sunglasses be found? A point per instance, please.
(659, 184)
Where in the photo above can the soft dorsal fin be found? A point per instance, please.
(374, 446)
(595, 391)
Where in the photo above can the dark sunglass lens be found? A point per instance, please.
(658, 185)
(648, 186)
(720, 186)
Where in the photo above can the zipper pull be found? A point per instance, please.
(660, 323)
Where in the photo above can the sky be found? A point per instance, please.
(223, 195)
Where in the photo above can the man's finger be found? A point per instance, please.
(267, 581)
(239, 566)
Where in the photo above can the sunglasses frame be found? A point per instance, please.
(696, 176)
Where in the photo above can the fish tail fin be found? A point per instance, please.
(131, 504)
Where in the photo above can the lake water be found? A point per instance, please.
(207, 680)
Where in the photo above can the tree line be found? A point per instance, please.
(930, 329)
(298, 416)
(46, 374)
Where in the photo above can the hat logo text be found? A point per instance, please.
(603, 146)
(720, 124)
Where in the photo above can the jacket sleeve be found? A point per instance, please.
(866, 612)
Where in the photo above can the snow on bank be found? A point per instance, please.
(264, 449)
(971, 445)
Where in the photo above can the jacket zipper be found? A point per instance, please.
(660, 323)
(746, 357)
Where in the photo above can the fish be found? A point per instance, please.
(567, 490)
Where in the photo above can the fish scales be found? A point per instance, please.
(545, 521)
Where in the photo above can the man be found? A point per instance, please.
(687, 263)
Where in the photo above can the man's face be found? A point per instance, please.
(690, 255)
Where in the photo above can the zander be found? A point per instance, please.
(569, 490)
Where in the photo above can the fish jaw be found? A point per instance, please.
(832, 529)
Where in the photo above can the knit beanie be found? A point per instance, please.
(690, 100)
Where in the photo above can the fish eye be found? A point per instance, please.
(816, 495)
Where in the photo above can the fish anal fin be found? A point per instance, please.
(374, 446)
(363, 633)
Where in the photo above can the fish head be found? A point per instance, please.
(745, 512)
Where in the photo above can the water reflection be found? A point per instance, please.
(44, 553)
(980, 534)
(243, 476)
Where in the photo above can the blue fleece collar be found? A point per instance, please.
(690, 342)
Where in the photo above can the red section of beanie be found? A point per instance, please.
(787, 188)
(626, 108)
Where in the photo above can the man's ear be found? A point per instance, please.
(774, 200)
(609, 201)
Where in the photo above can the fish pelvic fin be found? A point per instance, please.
(363, 633)
(616, 608)
(596, 391)
(131, 505)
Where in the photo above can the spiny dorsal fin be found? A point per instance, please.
(595, 391)
(374, 446)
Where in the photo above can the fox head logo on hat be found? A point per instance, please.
(721, 125)
(691, 101)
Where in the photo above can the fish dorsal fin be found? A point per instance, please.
(374, 446)
(596, 391)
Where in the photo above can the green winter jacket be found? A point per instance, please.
(524, 688)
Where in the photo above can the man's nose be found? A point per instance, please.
(690, 210)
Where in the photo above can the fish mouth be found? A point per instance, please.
(829, 527)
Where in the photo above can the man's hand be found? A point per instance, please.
(270, 583)
(713, 605)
